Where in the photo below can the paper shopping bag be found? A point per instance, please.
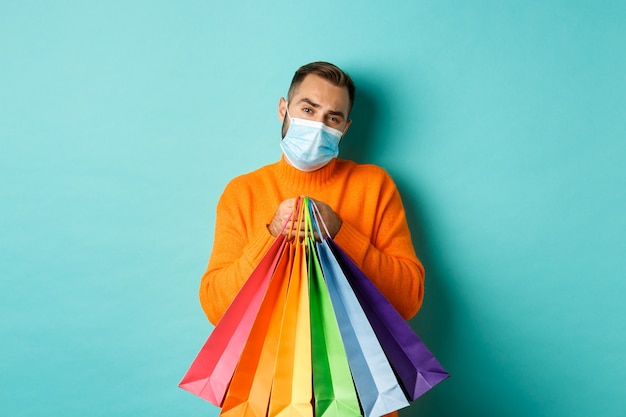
(415, 365)
(335, 394)
(377, 386)
(292, 389)
(210, 373)
(249, 390)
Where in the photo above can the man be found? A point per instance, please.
(359, 203)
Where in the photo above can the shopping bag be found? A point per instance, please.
(292, 390)
(377, 386)
(415, 365)
(210, 373)
(249, 390)
(335, 394)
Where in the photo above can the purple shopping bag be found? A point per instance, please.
(415, 365)
(377, 386)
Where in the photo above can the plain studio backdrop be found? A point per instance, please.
(502, 122)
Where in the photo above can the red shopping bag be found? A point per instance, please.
(210, 373)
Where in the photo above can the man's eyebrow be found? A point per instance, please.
(309, 102)
(337, 113)
(314, 104)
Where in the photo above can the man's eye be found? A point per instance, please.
(306, 110)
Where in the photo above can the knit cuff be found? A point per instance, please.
(352, 242)
(258, 246)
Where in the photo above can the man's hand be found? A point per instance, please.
(329, 217)
(281, 217)
(283, 220)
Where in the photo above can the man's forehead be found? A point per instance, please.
(316, 89)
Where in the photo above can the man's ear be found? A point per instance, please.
(282, 109)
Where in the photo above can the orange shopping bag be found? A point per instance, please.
(249, 390)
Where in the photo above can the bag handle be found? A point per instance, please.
(294, 218)
(307, 212)
(317, 216)
(299, 217)
(309, 222)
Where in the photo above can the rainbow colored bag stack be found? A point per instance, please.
(310, 335)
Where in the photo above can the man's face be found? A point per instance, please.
(319, 100)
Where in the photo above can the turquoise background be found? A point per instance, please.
(502, 122)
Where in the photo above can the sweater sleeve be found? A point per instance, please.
(236, 251)
(388, 257)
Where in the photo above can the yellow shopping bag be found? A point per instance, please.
(292, 389)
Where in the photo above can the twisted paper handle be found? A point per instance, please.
(306, 211)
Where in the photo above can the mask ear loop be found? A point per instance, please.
(287, 110)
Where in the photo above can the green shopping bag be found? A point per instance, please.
(378, 388)
(335, 394)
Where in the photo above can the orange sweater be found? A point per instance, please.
(374, 232)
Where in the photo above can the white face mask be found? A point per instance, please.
(310, 145)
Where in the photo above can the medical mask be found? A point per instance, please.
(309, 145)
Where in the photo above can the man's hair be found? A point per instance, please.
(327, 71)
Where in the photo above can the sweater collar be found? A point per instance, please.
(299, 181)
